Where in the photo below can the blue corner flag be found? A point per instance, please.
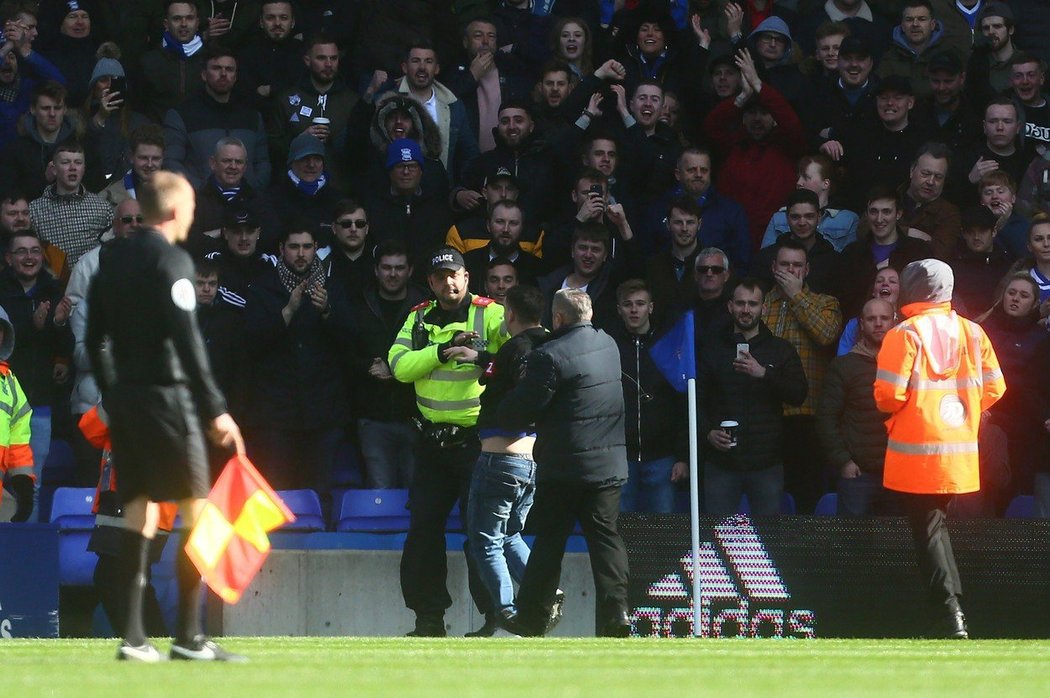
(675, 353)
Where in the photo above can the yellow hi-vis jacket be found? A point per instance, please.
(447, 392)
(936, 373)
(16, 458)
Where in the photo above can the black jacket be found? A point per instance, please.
(823, 261)
(421, 222)
(848, 423)
(655, 412)
(297, 369)
(756, 403)
(211, 210)
(532, 164)
(291, 206)
(35, 351)
(381, 400)
(571, 391)
(503, 373)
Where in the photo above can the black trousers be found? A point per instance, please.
(442, 476)
(558, 506)
(933, 547)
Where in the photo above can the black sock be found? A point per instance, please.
(188, 621)
(134, 557)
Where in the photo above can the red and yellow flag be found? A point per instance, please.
(229, 543)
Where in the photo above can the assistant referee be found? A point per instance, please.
(158, 389)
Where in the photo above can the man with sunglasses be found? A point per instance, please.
(710, 274)
(351, 258)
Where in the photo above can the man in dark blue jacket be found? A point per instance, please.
(571, 391)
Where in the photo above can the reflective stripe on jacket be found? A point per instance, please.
(936, 373)
(16, 458)
(447, 392)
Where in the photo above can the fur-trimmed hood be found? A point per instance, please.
(392, 101)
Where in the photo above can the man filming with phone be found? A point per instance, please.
(745, 374)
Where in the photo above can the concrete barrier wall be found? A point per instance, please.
(358, 592)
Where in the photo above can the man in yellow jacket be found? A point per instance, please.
(937, 373)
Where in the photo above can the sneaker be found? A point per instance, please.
(488, 629)
(139, 653)
(557, 609)
(428, 627)
(203, 649)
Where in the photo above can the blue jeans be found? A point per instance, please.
(723, 487)
(501, 494)
(40, 444)
(649, 487)
(388, 449)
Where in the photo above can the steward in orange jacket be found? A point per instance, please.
(936, 373)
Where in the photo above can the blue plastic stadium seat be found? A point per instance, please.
(456, 519)
(373, 511)
(1021, 507)
(71, 512)
(306, 506)
(787, 505)
(828, 505)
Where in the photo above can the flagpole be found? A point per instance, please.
(694, 503)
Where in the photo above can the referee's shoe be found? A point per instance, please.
(139, 653)
(203, 649)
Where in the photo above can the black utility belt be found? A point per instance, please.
(440, 435)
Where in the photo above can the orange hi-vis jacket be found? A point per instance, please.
(107, 511)
(936, 373)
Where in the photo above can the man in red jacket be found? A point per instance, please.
(761, 139)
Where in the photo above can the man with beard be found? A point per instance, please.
(270, 60)
(296, 329)
(505, 227)
(320, 104)
(747, 385)
(431, 351)
(556, 82)
(192, 129)
(525, 155)
(852, 430)
(988, 72)
(458, 143)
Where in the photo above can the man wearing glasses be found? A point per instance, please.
(351, 259)
(710, 273)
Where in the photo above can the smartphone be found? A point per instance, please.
(597, 190)
(119, 84)
(742, 349)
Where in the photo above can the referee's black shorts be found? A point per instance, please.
(158, 447)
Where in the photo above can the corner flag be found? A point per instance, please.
(675, 353)
(228, 545)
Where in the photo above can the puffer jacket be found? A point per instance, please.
(848, 423)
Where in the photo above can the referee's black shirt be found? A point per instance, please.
(144, 300)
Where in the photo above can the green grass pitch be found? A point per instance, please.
(290, 667)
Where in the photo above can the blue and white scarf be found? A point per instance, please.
(182, 50)
(308, 188)
(129, 183)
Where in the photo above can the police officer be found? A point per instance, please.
(442, 348)
(157, 388)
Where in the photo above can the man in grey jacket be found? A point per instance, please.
(571, 391)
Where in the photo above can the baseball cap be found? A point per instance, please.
(855, 46)
(500, 172)
(946, 62)
(445, 258)
(304, 145)
(403, 150)
(894, 83)
(235, 217)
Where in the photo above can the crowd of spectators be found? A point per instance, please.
(771, 165)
